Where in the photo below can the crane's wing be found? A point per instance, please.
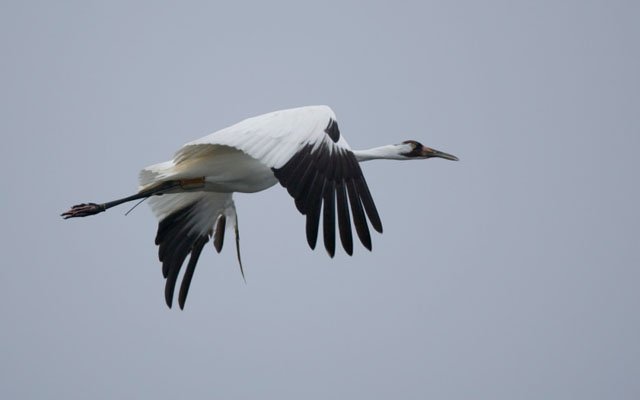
(311, 159)
(187, 221)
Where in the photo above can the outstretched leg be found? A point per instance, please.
(86, 209)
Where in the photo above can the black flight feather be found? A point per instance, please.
(359, 219)
(191, 267)
(322, 178)
(328, 218)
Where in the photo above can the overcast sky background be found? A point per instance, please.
(512, 274)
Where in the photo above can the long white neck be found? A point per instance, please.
(388, 152)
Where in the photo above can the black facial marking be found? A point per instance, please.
(416, 149)
(333, 131)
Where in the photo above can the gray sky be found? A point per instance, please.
(512, 274)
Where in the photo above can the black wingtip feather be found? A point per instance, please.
(313, 220)
(322, 178)
(328, 218)
(359, 219)
(313, 203)
(175, 243)
(369, 205)
(175, 264)
(344, 219)
(191, 267)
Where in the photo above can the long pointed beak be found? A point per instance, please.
(429, 152)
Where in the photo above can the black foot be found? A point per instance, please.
(83, 210)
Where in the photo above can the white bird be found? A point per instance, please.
(302, 148)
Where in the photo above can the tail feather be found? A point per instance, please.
(155, 173)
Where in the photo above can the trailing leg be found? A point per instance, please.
(86, 209)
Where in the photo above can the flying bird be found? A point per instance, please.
(301, 148)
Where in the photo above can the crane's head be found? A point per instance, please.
(416, 151)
